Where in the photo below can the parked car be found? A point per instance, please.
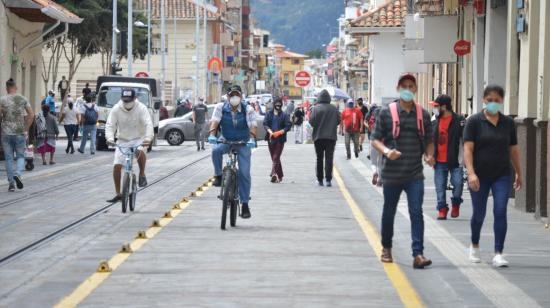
(177, 130)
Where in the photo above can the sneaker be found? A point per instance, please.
(386, 256)
(329, 183)
(80, 151)
(217, 181)
(320, 183)
(356, 154)
(115, 199)
(455, 211)
(142, 181)
(18, 182)
(442, 214)
(475, 254)
(198, 149)
(375, 179)
(499, 261)
(11, 188)
(245, 211)
(273, 179)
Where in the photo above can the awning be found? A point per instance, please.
(45, 11)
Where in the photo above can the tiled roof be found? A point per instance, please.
(390, 14)
(182, 9)
(288, 54)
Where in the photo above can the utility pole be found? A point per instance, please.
(163, 47)
(175, 60)
(205, 54)
(197, 43)
(130, 36)
(113, 48)
(149, 36)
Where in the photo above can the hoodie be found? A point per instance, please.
(324, 118)
(129, 124)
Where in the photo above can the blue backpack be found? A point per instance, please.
(90, 116)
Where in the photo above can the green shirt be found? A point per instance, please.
(13, 112)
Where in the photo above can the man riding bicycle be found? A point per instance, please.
(237, 122)
(130, 119)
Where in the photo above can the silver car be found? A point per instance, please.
(177, 130)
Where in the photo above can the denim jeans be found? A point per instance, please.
(11, 144)
(91, 130)
(440, 179)
(243, 175)
(501, 192)
(70, 129)
(415, 196)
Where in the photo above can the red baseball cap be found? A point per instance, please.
(406, 76)
(435, 104)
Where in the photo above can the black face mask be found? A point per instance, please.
(278, 107)
(71, 106)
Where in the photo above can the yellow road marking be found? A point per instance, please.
(408, 295)
(97, 278)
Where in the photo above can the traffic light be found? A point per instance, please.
(115, 68)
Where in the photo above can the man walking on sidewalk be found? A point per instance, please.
(448, 129)
(403, 133)
(324, 119)
(200, 112)
(364, 111)
(351, 126)
(16, 116)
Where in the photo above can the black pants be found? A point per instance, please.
(324, 148)
(69, 129)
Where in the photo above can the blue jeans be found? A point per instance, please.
(457, 177)
(415, 197)
(501, 192)
(91, 130)
(243, 176)
(11, 144)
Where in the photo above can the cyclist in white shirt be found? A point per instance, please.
(130, 119)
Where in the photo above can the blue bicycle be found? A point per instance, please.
(129, 180)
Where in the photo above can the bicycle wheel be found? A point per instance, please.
(227, 198)
(125, 191)
(133, 195)
(233, 213)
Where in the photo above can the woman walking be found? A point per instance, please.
(277, 124)
(47, 134)
(69, 119)
(490, 144)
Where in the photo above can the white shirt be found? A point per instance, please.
(69, 116)
(82, 109)
(79, 103)
(129, 124)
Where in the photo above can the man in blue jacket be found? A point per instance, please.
(237, 122)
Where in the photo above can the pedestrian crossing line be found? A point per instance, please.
(407, 294)
(107, 267)
(499, 290)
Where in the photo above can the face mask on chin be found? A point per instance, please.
(235, 101)
(278, 107)
(129, 105)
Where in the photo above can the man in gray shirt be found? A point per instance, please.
(402, 168)
(324, 119)
(200, 112)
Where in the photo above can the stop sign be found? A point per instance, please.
(462, 47)
(142, 74)
(302, 78)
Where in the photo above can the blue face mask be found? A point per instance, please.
(493, 107)
(406, 95)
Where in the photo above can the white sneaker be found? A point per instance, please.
(499, 261)
(475, 255)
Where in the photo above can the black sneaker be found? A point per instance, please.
(273, 179)
(329, 184)
(115, 199)
(320, 183)
(11, 188)
(245, 211)
(18, 182)
(217, 181)
(142, 181)
(356, 154)
(80, 151)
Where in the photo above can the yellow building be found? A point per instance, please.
(288, 64)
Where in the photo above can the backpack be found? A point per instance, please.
(40, 122)
(395, 120)
(90, 116)
(352, 124)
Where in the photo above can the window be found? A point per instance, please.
(296, 61)
(365, 86)
(286, 77)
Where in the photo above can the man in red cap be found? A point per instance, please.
(403, 134)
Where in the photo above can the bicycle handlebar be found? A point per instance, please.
(232, 142)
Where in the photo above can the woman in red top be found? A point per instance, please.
(448, 142)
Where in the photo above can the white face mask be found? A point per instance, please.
(129, 105)
(436, 112)
(235, 101)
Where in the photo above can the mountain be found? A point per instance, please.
(301, 25)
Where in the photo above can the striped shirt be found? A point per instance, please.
(409, 166)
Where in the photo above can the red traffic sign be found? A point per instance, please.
(462, 47)
(302, 78)
(142, 74)
(215, 65)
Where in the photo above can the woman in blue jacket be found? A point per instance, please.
(277, 124)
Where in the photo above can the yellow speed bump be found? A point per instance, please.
(408, 295)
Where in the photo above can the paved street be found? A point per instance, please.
(305, 246)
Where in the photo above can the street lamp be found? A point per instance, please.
(140, 24)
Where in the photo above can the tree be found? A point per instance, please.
(49, 71)
(315, 53)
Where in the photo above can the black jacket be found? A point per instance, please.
(456, 130)
(284, 124)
